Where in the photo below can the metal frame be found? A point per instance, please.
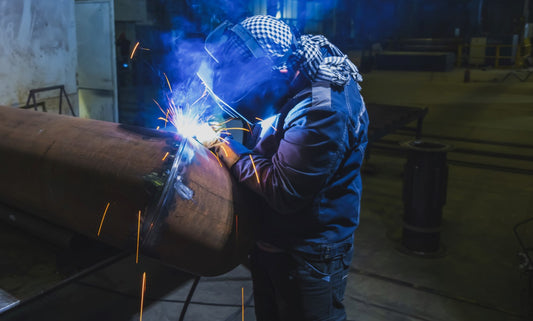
(62, 92)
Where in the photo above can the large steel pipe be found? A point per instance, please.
(67, 170)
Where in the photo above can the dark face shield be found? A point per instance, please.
(229, 37)
(241, 74)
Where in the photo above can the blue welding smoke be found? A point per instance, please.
(176, 50)
(177, 42)
(180, 52)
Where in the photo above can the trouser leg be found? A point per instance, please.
(264, 292)
(291, 287)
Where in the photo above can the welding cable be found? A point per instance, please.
(189, 297)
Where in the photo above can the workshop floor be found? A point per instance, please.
(490, 189)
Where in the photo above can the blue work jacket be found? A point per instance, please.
(308, 160)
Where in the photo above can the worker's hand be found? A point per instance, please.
(230, 151)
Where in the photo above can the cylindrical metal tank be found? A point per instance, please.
(424, 195)
(67, 170)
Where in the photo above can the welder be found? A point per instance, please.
(303, 156)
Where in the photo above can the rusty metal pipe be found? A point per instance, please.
(66, 170)
(35, 226)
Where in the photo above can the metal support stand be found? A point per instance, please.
(62, 92)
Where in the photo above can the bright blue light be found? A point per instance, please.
(125, 65)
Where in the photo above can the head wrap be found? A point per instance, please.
(321, 60)
(273, 35)
(313, 55)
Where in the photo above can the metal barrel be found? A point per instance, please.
(70, 171)
(424, 195)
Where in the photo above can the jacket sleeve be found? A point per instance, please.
(308, 154)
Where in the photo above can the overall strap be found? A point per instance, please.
(284, 111)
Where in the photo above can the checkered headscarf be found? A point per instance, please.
(315, 56)
(273, 35)
(322, 60)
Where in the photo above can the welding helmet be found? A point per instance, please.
(249, 69)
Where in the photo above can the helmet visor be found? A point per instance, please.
(239, 65)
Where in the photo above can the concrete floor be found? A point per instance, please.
(490, 189)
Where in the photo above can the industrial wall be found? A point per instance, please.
(38, 49)
(130, 10)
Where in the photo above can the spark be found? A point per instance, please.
(157, 128)
(134, 49)
(203, 96)
(255, 169)
(171, 102)
(166, 114)
(269, 123)
(102, 221)
(155, 101)
(143, 289)
(168, 82)
(236, 128)
(165, 157)
(226, 121)
(216, 156)
(225, 130)
(138, 237)
(225, 151)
